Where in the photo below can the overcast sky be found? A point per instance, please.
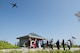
(49, 18)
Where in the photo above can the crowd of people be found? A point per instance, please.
(49, 44)
(63, 44)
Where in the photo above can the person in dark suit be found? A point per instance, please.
(51, 44)
(63, 44)
(47, 44)
(43, 44)
(37, 42)
(57, 44)
(28, 43)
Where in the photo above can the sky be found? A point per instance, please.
(48, 18)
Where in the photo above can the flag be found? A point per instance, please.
(73, 37)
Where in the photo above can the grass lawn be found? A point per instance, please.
(56, 51)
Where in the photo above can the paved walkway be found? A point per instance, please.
(26, 49)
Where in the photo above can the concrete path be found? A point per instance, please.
(24, 50)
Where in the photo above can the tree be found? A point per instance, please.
(78, 15)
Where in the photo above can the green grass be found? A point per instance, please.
(6, 45)
(1, 52)
(52, 51)
(11, 52)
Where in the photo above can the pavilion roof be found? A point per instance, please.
(32, 35)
